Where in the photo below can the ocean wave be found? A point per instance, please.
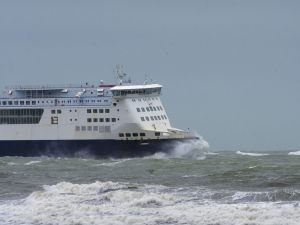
(294, 153)
(271, 196)
(31, 163)
(123, 203)
(251, 154)
(113, 163)
(194, 149)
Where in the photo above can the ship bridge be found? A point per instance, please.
(136, 90)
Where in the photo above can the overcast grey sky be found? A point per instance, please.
(230, 68)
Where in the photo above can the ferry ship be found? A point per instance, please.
(122, 120)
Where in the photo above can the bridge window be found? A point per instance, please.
(100, 110)
(113, 120)
(142, 118)
(138, 109)
(95, 110)
(106, 110)
(89, 111)
(143, 109)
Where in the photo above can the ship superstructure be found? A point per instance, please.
(105, 120)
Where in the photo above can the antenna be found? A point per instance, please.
(146, 79)
(121, 75)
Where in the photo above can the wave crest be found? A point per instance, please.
(192, 149)
(294, 153)
(251, 154)
(121, 203)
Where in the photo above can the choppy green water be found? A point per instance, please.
(229, 187)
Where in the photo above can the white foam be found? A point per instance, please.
(32, 162)
(193, 149)
(294, 153)
(251, 154)
(112, 164)
(116, 203)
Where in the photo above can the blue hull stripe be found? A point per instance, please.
(86, 148)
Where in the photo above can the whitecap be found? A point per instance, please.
(112, 164)
(119, 203)
(32, 162)
(251, 154)
(294, 153)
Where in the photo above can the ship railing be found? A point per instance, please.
(45, 87)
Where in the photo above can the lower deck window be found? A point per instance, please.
(20, 116)
(142, 134)
(135, 134)
(121, 135)
(157, 134)
(128, 135)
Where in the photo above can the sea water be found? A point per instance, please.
(189, 186)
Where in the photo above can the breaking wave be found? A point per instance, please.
(251, 154)
(294, 153)
(123, 203)
(193, 149)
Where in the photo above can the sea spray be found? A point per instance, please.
(193, 149)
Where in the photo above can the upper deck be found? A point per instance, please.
(74, 95)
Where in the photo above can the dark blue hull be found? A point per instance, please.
(87, 148)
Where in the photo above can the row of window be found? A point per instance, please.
(144, 99)
(21, 112)
(43, 102)
(18, 103)
(132, 135)
(19, 120)
(97, 110)
(100, 129)
(101, 120)
(152, 118)
(150, 108)
(127, 135)
(20, 116)
(147, 91)
(53, 111)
